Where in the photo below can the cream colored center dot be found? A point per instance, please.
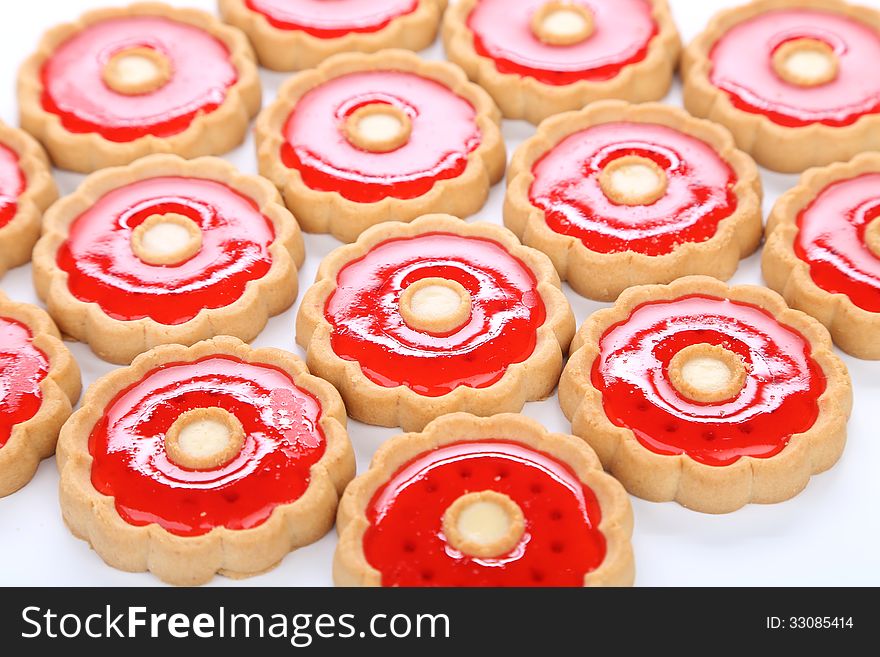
(806, 62)
(562, 24)
(633, 180)
(872, 237)
(486, 524)
(707, 373)
(435, 305)
(137, 71)
(204, 439)
(378, 127)
(166, 239)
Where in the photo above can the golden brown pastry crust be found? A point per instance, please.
(181, 560)
(603, 276)
(532, 379)
(213, 133)
(34, 440)
(330, 212)
(294, 50)
(17, 238)
(854, 329)
(777, 147)
(698, 486)
(120, 341)
(350, 566)
(525, 98)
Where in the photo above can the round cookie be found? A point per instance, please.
(167, 250)
(708, 395)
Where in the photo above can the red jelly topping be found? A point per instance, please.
(562, 542)
(444, 133)
(779, 399)
(283, 440)
(831, 240)
(506, 313)
(22, 369)
(328, 20)
(103, 268)
(622, 33)
(12, 184)
(742, 65)
(699, 194)
(74, 88)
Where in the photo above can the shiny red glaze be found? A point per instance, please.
(562, 543)
(103, 269)
(780, 397)
(444, 133)
(330, 20)
(623, 30)
(831, 240)
(699, 196)
(507, 311)
(74, 89)
(12, 184)
(283, 441)
(742, 66)
(22, 369)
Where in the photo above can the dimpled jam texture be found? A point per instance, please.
(831, 240)
(742, 66)
(75, 91)
(23, 368)
(562, 542)
(507, 311)
(699, 195)
(103, 269)
(623, 30)
(12, 184)
(444, 133)
(780, 397)
(282, 441)
(331, 20)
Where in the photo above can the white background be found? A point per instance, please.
(828, 535)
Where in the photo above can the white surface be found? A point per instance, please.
(827, 535)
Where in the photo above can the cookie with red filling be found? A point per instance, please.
(26, 190)
(121, 83)
(620, 195)
(364, 139)
(39, 384)
(823, 251)
(793, 81)
(538, 58)
(417, 320)
(495, 501)
(216, 458)
(167, 250)
(709, 395)
(291, 35)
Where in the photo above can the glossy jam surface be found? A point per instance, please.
(779, 399)
(502, 31)
(699, 194)
(333, 19)
(22, 369)
(444, 133)
(742, 66)
(562, 542)
(12, 184)
(831, 240)
(74, 88)
(282, 441)
(506, 312)
(103, 268)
